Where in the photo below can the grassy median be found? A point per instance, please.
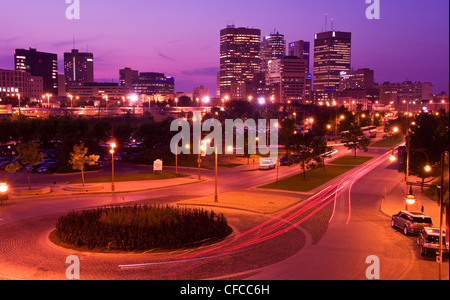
(314, 179)
(351, 160)
(133, 177)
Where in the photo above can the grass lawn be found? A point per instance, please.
(132, 177)
(314, 179)
(389, 142)
(226, 164)
(351, 160)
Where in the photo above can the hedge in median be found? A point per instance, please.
(140, 228)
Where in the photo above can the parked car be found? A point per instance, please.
(49, 168)
(428, 241)
(36, 167)
(4, 163)
(411, 222)
(267, 164)
(284, 161)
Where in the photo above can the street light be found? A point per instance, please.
(3, 191)
(133, 98)
(48, 102)
(71, 99)
(113, 146)
(18, 97)
(3, 187)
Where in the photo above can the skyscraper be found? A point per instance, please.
(151, 83)
(301, 49)
(39, 64)
(239, 60)
(289, 74)
(78, 68)
(332, 55)
(273, 46)
(126, 77)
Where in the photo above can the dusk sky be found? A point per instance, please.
(181, 37)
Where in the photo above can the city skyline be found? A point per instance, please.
(111, 31)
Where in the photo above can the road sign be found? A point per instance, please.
(158, 165)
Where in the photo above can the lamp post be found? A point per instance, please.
(48, 102)
(441, 212)
(18, 97)
(199, 161)
(410, 151)
(71, 99)
(113, 146)
(216, 195)
(3, 191)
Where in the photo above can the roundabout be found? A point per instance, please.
(32, 255)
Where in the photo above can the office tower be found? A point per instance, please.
(273, 46)
(361, 79)
(78, 68)
(150, 83)
(39, 64)
(289, 73)
(300, 49)
(126, 77)
(332, 53)
(200, 93)
(239, 60)
(98, 90)
(20, 84)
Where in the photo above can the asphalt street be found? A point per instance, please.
(323, 236)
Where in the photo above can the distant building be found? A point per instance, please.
(406, 95)
(126, 77)
(289, 73)
(78, 68)
(273, 46)
(301, 49)
(239, 60)
(40, 64)
(150, 83)
(361, 79)
(332, 55)
(96, 90)
(20, 84)
(200, 93)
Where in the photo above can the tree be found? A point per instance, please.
(304, 154)
(79, 160)
(30, 155)
(355, 139)
(320, 147)
(428, 139)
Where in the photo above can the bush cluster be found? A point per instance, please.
(140, 228)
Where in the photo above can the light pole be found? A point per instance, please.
(441, 212)
(200, 153)
(113, 146)
(71, 99)
(216, 196)
(18, 97)
(48, 102)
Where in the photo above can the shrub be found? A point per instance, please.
(140, 228)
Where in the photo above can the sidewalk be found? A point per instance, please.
(395, 202)
(102, 188)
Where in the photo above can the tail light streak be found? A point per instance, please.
(271, 228)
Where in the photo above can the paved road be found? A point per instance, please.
(298, 243)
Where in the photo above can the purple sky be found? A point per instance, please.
(181, 37)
